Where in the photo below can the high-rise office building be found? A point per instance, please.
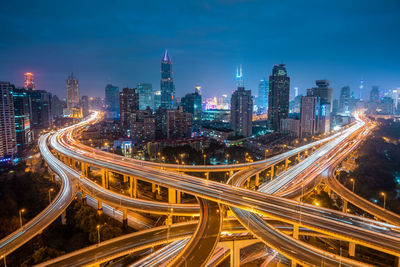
(242, 112)
(145, 91)
(157, 99)
(344, 100)
(262, 99)
(278, 96)
(29, 82)
(72, 86)
(191, 103)
(40, 111)
(8, 140)
(22, 119)
(129, 103)
(142, 125)
(167, 83)
(314, 116)
(57, 106)
(324, 92)
(85, 105)
(309, 115)
(374, 94)
(179, 124)
(112, 101)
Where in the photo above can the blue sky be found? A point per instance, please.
(122, 42)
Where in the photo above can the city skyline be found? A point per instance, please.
(199, 49)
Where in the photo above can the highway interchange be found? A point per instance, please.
(249, 206)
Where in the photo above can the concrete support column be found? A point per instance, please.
(352, 249)
(207, 174)
(178, 197)
(99, 206)
(83, 169)
(272, 172)
(64, 217)
(230, 173)
(171, 196)
(344, 208)
(296, 231)
(257, 179)
(83, 197)
(124, 218)
(133, 186)
(286, 163)
(153, 187)
(235, 247)
(397, 262)
(126, 178)
(298, 157)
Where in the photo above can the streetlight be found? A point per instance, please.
(353, 181)
(266, 152)
(5, 263)
(384, 199)
(51, 190)
(227, 158)
(20, 216)
(98, 235)
(204, 157)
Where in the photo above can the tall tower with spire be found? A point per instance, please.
(167, 83)
(239, 76)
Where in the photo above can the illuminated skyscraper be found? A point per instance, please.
(191, 103)
(8, 140)
(29, 81)
(85, 105)
(262, 99)
(242, 112)
(344, 101)
(278, 97)
(22, 119)
(374, 95)
(167, 83)
(72, 87)
(112, 101)
(157, 99)
(239, 77)
(129, 104)
(324, 92)
(145, 91)
(361, 89)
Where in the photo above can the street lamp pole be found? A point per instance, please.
(353, 181)
(20, 216)
(98, 235)
(384, 199)
(51, 190)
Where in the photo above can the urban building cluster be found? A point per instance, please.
(141, 117)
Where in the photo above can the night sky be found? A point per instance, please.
(122, 42)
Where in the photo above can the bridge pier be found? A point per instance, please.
(105, 176)
(83, 197)
(257, 180)
(296, 231)
(124, 218)
(344, 207)
(272, 172)
(133, 186)
(64, 217)
(207, 175)
(235, 247)
(99, 207)
(171, 196)
(153, 187)
(352, 249)
(286, 163)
